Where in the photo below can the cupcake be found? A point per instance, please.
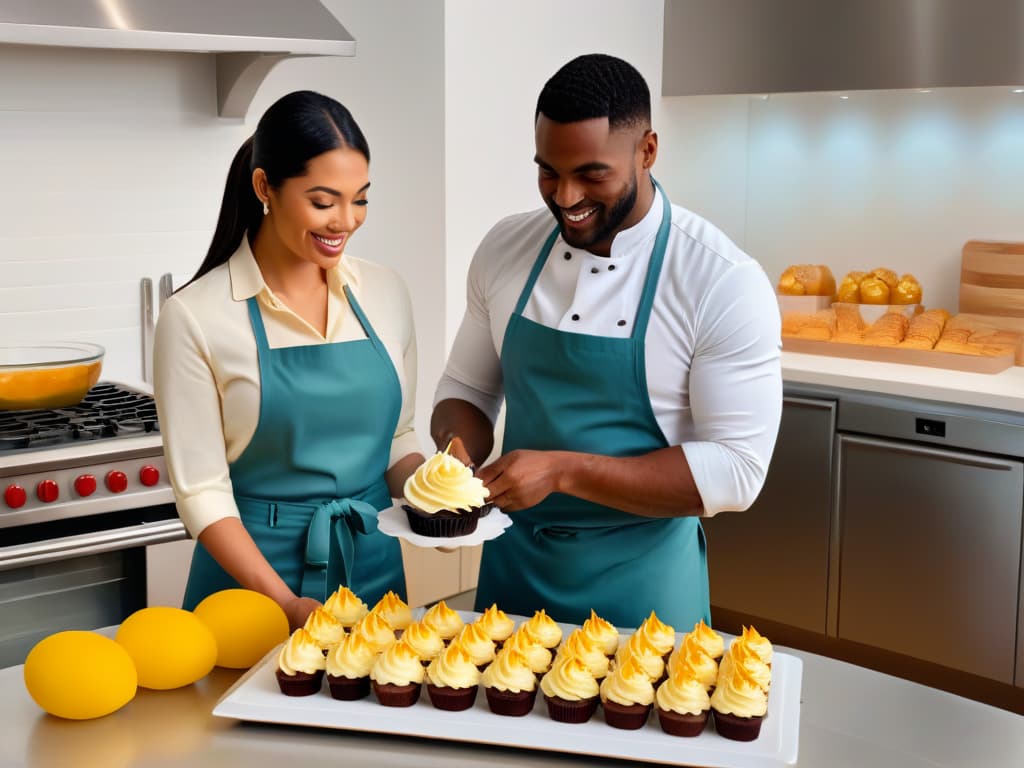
(585, 649)
(394, 611)
(453, 679)
(376, 631)
(710, 641)
(397, 676)
(496, 623)
(649, 657)
(478, 645)
(627, 696)
(544, 628)
(741, 655)
(345, 606)
(661, 635)
(425, 640)
(522, 641)
(683, 704)
(570, 691)
(443, 498)
(602, 632)
(325, 629)
(701, 666)
(739, 705)
(300, 665)
(442, 618)
(509, 684)
(348, 668)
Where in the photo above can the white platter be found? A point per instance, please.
(257, 698)
(393, 521)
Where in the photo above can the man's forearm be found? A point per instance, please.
(458, 418)
(656, 484)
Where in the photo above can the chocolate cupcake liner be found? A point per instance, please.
(676, 724)
(737, 728)
(301, 683)
(389, 695)
(628, 717)
(451, 699)
(510, 703)
(564, 711)
(348, 688)
(442, 524)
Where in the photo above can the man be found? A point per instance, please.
(637, 350)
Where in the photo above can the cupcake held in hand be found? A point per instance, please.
(443, 497)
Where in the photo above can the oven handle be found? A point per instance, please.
(39, 552)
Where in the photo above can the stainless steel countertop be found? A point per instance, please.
(850, 717)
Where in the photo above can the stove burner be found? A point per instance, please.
(106, 411)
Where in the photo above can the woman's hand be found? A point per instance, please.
(298, 609)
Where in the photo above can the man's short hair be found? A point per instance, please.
(596, 85)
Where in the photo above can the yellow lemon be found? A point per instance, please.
(170, 647)
(246, 625)
(80, 675)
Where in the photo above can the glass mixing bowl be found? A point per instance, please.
(47, 374)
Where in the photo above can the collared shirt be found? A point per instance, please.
(206, 371)
(712, 345)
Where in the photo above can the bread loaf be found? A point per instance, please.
(807, 280)
(925, 329)
(888, 330)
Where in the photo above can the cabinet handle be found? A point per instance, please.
(967, 459)
(825, 405)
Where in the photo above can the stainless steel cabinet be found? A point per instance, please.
(930, 553)
(772, 560)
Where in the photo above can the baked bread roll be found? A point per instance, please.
(874, 290)
(850, 326)
(907, 291)
(849, 289)
(807, 280)
(925, 329)
(888, 330)
(879, 286)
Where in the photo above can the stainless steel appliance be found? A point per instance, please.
(83, 491)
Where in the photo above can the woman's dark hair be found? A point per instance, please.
(294, 129)
(597, 85)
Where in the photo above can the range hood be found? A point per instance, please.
(248, 37)
(778, 46)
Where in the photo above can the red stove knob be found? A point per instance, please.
(15, 496)
(149, 475)
(85, 485)
(117, 481)
(47, 491)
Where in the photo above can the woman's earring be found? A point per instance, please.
(266, 208)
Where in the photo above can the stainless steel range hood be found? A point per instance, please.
(248, 37)
(778, 46)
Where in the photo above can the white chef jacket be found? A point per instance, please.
(206, 370)
(712, 344)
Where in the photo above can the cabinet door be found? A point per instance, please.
(930, 550)
(771, 561)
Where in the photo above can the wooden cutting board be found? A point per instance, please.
(992, 281)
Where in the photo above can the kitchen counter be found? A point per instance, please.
(850, 717)
(1003, 391)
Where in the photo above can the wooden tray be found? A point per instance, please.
(925, 357)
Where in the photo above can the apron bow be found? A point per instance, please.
(331, 542)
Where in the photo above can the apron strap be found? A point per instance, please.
(256, 319)
(643, 309)
(331, 543)
(538, 265)
(365, 322)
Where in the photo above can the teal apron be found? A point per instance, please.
(311, 481)
(577, 392)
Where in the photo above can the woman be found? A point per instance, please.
(285, 375)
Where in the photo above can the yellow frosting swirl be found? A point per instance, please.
(538, 658)
(757, 643)
(478, 645)
(739, 695)
(442, 618)
(345, 606)
(661, 635)
(741, 655)
(424, 639)
(569, 679)
(712, 643)
(454, 668)
(353, 657)
(684, 694)
(325, 628)
(496, 623)
(694, 662)
(628, 685)
(443, 482)
(393, 610)
(649, 658)
(301, 654)
(376, 630)
(510, 671)
(580, 645)
(398, 665)
(544, 628)
(602, 632)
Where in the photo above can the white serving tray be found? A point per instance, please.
(256, 697)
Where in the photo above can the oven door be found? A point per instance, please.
(84, 574)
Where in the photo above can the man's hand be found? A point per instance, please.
(522, 479)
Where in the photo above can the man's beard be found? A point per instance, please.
(612, 219)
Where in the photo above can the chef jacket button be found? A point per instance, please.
(611, 267)
(621, 323)
(567, 255)
(594, 270)
(575, 317)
